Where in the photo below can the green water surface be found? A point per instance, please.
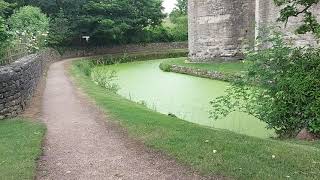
(185, 96)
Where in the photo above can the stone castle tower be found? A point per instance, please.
(219, 29)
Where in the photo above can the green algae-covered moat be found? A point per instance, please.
(185, 96)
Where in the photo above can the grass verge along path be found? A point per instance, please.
(210, 151)
(20, 147)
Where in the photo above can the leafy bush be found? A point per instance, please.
(30, 26)
(281, 89)
(165, 67)
(179, 30)
(85, 66)
(158, 34)
(105, 78)
(119, 21)
(4, 36)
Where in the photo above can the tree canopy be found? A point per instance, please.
(116, 21)
(126, 21)
(182, 6)
(6, 9)
(106, 21)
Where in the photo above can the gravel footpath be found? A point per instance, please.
(82, 144)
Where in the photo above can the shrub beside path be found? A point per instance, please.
(82, 144)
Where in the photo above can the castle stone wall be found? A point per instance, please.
(266, 16)
(218, 29)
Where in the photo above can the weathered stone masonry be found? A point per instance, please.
(219, 29)
(19, 80)
(267, 14)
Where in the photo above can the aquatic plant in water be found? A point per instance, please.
(105, 78)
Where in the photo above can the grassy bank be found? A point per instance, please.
(20, 146)
(137, 56)
(226, 67)
(224, 71)
(210, 151)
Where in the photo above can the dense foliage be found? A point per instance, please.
(179, 20)
(179, 29)
(295, 8)
(60, 31)
(6, 9)
(4, 36)
(29, 19)
(182, 6)
(30, 26)
(23, 30)
(106, 22)
(120, 21)
(281, 88)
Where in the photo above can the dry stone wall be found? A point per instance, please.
(19, 80)
(150, 47)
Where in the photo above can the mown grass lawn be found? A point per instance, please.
(223, 67)
(209, 151)
(20, 147)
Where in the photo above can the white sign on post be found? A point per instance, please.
(86, 38)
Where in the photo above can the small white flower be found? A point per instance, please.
(206, 141)
(273, 156)
(214, 151)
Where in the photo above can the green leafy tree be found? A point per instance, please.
(106, 21)
(155, 34)
(18, 3)
(52, 7)
(30, 26)
(117, 21)
(181, 9)
(179, 20)
(6, 9)
(280, 88)
(182, 6)
(29, 19)
(294, 8)
(4, 37)
(60, 32)
(179, 30)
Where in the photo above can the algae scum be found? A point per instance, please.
(186, 97)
